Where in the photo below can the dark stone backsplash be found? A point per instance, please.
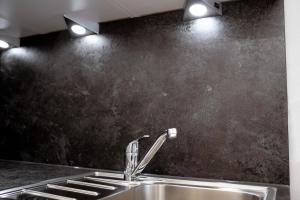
(221, 81)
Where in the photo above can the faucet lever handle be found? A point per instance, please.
(142, 137)
(133, 146)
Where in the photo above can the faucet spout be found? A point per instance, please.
(169, 134)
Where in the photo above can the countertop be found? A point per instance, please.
(17, 173)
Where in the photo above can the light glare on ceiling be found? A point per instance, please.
(3, 23)
(79, 30)
(3, 44)
(198, 10)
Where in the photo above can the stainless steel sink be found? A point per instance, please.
(175, 192)
(112, 186)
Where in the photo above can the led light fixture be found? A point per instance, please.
(198, 10)
(79, 30)
(195, 9)
(80, 27)
(3, 44)
(8, 42)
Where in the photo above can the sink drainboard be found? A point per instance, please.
(84, 187)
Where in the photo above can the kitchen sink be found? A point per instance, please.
(112, 186)
(175, 192)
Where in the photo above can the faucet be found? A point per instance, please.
(133, 168)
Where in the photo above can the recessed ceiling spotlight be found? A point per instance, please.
(3, 44)
(195, 9)
(198, 10)
(79, 30)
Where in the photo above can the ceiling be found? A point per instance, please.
(20, 18)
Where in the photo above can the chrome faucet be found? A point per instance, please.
(133, 168)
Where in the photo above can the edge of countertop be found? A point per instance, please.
(146, 174)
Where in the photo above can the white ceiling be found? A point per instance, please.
(20, 18)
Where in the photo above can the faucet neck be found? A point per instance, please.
(149, 155)
(132, 156)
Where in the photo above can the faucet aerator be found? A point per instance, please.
(172, 133)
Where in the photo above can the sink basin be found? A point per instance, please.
(175, 192)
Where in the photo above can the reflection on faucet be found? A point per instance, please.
(133, 169)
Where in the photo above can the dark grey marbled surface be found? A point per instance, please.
(221, 81)
(283, 193)
(16, 174)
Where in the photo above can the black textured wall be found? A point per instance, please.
(221, 81)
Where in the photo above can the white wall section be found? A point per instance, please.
(292, 21)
